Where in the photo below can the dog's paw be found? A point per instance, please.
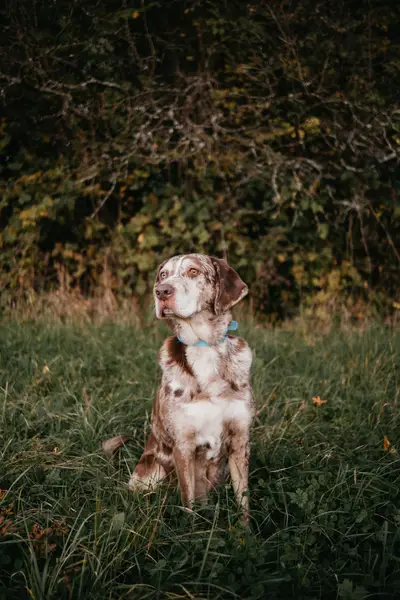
(142, 483)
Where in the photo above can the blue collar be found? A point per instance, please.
(233, 325)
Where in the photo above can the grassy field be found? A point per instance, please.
(325, 481)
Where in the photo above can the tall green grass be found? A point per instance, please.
(325, 492)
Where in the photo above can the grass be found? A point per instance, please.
(325, 492)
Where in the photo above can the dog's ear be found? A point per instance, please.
(230, 289)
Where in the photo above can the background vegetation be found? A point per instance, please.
(324, 473)
(267, 132)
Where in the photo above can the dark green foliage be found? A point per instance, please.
(267, 132)
(324, 485)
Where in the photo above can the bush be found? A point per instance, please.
(266, 133)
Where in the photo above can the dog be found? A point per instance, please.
(204, 407)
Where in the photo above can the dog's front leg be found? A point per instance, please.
(239, 468)
(184, 459)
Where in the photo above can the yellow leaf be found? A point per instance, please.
(317, 401)
(312, 123)
(396, 305)
(135, 14)
(140, 238)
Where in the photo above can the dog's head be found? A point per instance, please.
(190, 283)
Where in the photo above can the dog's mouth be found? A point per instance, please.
(164, 309)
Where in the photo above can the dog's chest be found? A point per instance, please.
(205, 364)
(208, 419)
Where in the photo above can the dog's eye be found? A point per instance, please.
(163, 274)
(193, 272)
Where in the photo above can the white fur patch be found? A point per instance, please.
(204, 363)
(207, 419)
(175, 384)
(187, 296)
(137, 483)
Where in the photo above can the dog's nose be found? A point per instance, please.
(164, 291)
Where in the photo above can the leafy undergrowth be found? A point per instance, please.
(325, 473)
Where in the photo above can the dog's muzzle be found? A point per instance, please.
(164, 291)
